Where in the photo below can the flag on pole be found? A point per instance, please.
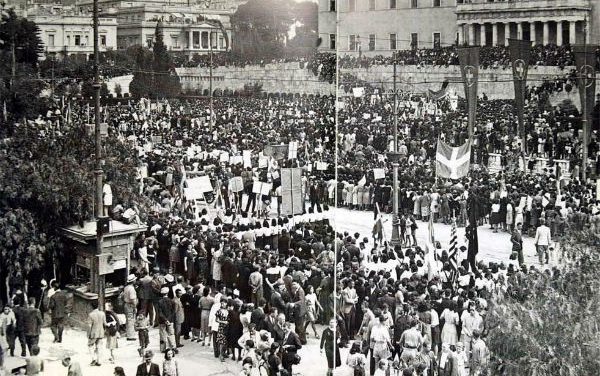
(363, 181)
(452, 162)
(453, 253)
(431, 235)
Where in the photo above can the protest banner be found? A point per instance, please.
(291, 191)
(247, 158)
(236, 184)
(378, 173)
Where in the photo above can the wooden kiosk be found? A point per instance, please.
(114, 262)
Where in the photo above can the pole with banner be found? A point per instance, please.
(469, 69)
(520, 51)
(585, 61)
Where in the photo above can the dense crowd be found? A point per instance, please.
(232, 271)
(513, 196)
(490, 57)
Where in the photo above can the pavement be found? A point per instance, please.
(493, 246)
(193, 358)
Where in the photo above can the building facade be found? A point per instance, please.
(67, 31)
(328, 25)
(185, 29)
(378, 27)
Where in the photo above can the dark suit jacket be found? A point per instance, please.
(154, 370)
(165, 309)
(32, 322)
(293, 340)
(299, 302)
(58, 305)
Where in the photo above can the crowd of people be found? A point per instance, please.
(233, 272)
(490, 57)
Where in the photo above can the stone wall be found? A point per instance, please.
(495, 83)
(274, 78)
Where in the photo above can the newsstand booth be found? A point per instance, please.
(87, 266)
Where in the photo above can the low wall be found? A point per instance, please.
(495, 83)
(274, 78)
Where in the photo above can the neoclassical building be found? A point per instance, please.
(378, 27)
(541, 21)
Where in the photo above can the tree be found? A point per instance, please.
(549, 324)
(166, 81)
(20, 91)
(141, 84)
(261, 28)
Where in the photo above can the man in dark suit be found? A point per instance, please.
(290, 346)
(269, 322)
(299, 309)
(59, 312)
(165, 314)
(148, 368)
(32, 323)
(283, 244)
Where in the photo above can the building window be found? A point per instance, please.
(103, 40)
(204, 40)
(414, 41)
(437, 40)
(351, 5)
(175, 42)
(332, 41)
(352, 42)
(78, 40)
(392, 4)
(68, 40)
(149, 40)
(221, 42)
(437, 3)
(414, 3)
(51, 40)
(371, 42)
(371, 4)
(393, 42)
(332, 5)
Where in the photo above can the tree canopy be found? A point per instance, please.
(547, 324)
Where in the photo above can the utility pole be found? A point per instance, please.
(395, 240)
(210, 82)
(13, 63)
(584, 111)
(99, 283)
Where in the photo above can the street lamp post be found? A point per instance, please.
(394, 157)
(99, 282)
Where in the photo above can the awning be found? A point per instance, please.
(177, 15)
(190, 16)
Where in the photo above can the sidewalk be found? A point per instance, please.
(193, 359)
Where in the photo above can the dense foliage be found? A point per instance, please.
(548, 323)
(155, 74)
(19, 39)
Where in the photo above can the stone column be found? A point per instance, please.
(532, 32)
(471, 32)
(519, 30)
(482, 35)
(494, 34)
(191, 39)
(506, 33)
(546, 33)
(461, 30)
(572, 35)
(559, 33)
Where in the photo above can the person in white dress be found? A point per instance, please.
(450, 317)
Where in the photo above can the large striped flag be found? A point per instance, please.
(453, 252)
(452, 162)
